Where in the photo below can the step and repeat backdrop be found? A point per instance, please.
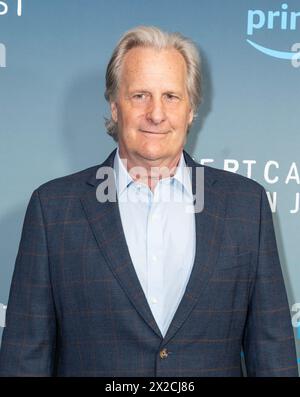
(53, 56)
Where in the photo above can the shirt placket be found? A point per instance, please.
(155, 269)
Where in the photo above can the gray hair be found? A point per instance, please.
(153, 37)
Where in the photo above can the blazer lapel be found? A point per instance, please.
(105, 222)
(209, 229)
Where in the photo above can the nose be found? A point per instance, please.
(156, 112)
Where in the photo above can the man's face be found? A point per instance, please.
(152, 108)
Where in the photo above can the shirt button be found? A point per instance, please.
(154, 257)
(163, 353)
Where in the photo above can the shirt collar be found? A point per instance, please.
(124, 180)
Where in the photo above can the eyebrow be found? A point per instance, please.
(137, 90)
(143, 91)
(174, 93)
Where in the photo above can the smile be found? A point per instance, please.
(154, 132)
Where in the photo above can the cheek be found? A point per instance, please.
(179, 121)
(132, 118)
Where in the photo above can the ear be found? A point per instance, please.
(191, 116)
(114, 111)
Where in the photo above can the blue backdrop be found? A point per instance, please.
(53, 57)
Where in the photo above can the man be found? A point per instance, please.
(140, 286)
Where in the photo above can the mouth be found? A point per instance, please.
(155, 132)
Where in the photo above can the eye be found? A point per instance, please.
(172, 97)
(140, 96)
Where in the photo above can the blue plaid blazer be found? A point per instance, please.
(76, 307)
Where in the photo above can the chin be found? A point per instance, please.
(152, 153)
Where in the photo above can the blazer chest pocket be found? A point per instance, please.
(225, 262)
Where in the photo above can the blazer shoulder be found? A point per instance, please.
(231, 182)
(74, 183)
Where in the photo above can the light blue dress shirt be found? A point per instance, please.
(160, 235)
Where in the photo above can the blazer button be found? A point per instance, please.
(163, 353)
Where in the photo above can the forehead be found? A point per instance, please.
(151, 66)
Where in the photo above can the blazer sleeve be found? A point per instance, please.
(28, 340)
(268, 343)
